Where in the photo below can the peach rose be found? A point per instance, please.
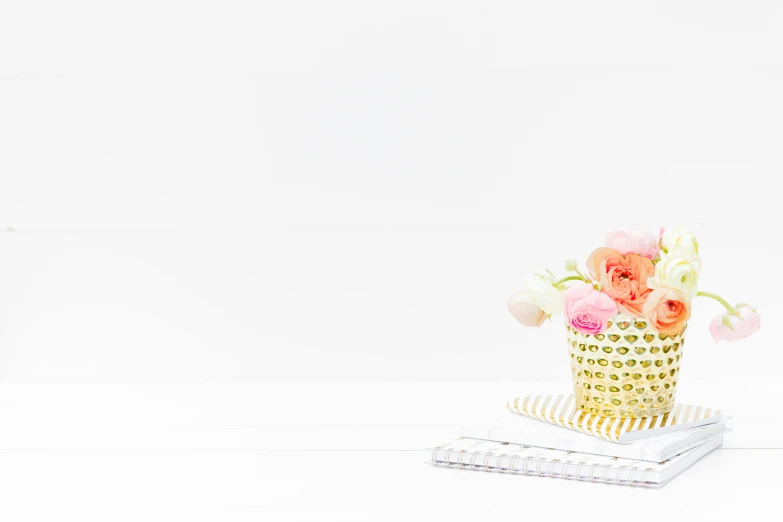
(666, 311)
(623, 277)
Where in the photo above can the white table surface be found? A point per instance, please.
(324, 451)
(257, 254)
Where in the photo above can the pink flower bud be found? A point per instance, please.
(524, 311)
(748, 322)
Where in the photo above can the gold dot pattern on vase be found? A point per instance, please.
(652, 361)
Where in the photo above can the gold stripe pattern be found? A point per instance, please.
(562, 410)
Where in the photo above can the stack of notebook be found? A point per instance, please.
(546, 435)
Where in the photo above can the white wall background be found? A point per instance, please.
(251, 191)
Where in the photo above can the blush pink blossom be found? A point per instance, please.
(655, 253)
(588, 310)
(525, 311)
(634, 240)
(748, 322)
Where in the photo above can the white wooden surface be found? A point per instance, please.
(162, 375)
(323, 451)
(256, 254)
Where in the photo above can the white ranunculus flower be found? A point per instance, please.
(678, 237)
(687, 253)
(540, 291)
(679, 270)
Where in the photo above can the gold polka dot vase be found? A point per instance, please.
(630, 370)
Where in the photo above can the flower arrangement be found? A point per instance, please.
(626, 319)
(635, 274)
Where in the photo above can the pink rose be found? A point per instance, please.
(634, 240)
(524, 311)
(748, 322)
(587, 309)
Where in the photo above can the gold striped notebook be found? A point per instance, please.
(561, 410)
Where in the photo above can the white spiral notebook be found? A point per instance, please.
(517, 459)
(522, 430)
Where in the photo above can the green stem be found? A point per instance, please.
(568, 278)
(729, 308)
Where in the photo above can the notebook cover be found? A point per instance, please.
(561, 410)
(521, 430)
(499, 457)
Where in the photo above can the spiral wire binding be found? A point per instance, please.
(597, 473)
(551, 465)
